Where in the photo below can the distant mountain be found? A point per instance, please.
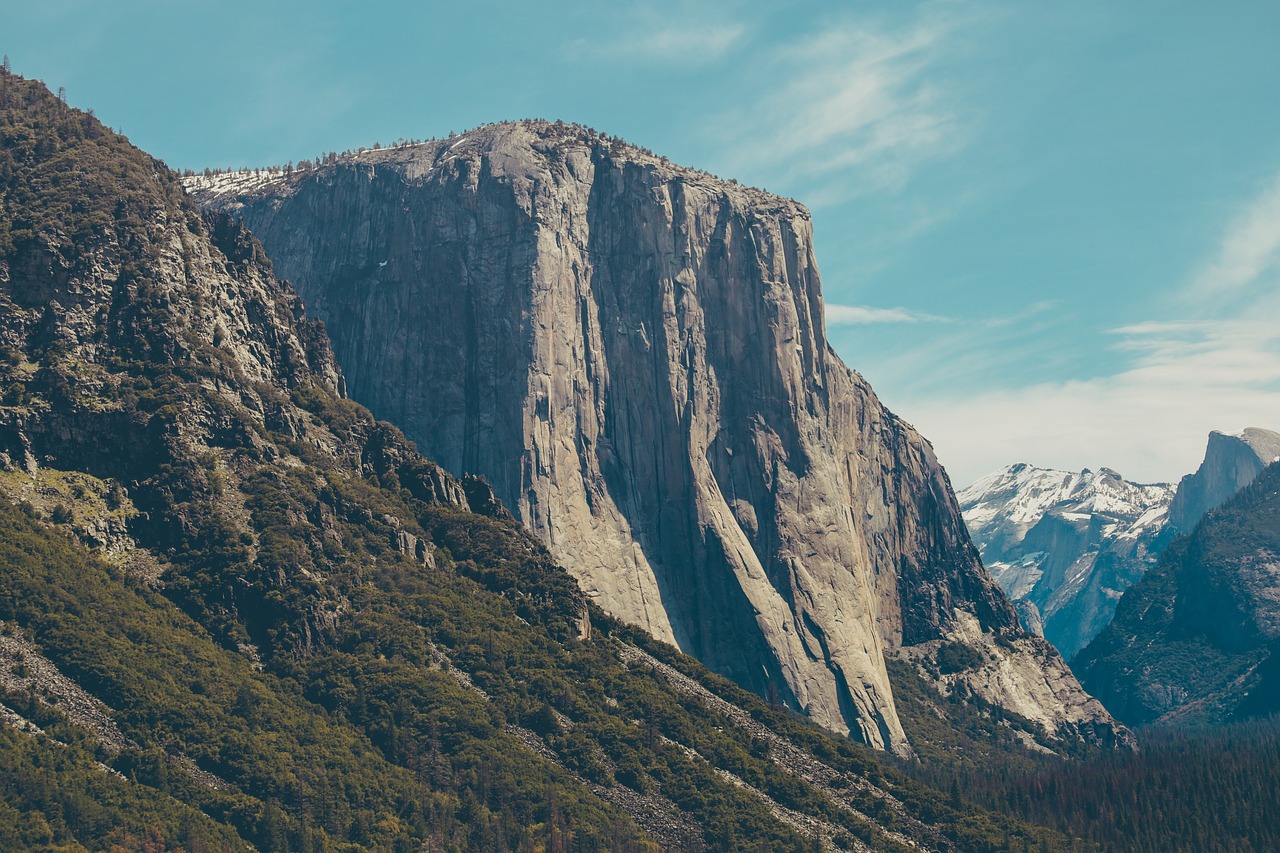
(634, 354)
(1231, 461)
(1064, 546)
(1197, 640)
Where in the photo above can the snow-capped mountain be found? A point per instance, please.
(1065, 546)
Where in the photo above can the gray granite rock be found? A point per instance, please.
(634, 355)
(1230, 463)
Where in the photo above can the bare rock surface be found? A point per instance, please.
(634, 355)
(1231, 461)
(1025, 676)
(23, 669)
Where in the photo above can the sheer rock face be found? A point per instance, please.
(1230, 463)
(634, 355)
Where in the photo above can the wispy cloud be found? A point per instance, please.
(918, 363)
(647, 34)
(1215, 365)
(1148, 420)
(854, 108)
(862, 315)
(1249, 250)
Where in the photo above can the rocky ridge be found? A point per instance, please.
(1065, 546)
(634, 355)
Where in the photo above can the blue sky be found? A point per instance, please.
(1048, 232)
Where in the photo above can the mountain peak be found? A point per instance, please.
(1041, 533)
(633, 353)
(1231, 461)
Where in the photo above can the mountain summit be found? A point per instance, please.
(237, 613)
(1065, 546)
(634, 355)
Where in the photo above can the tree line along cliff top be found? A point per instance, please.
(547, 138)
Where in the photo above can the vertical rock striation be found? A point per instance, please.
(634, 355)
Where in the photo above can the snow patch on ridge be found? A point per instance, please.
(232, 183)
(1041, 533)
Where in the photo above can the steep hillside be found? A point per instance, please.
(238, 612)
(634, 354)
(1064, 547)
(1195, 640)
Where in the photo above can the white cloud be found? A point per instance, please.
(1249, 249)
(688, 42)
(854, 108)
(1215, 367)
(861, 315)
(687, 36)
(1149, 421)
(957, 352)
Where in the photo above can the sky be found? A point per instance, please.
(1048, 233)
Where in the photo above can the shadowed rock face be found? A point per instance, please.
(1230, 463)
(634, 355)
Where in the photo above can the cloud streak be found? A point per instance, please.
(688, 36)
(863, 315)
(1249, 249)
(852, 109)
(1148, 420)
(1214, 366)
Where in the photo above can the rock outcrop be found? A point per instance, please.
(1231, 461)
(634, 355)
(1197, 640)
(1064, 547)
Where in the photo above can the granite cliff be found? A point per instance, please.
(1064, 546)
(1231, 461)
(634, 355)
